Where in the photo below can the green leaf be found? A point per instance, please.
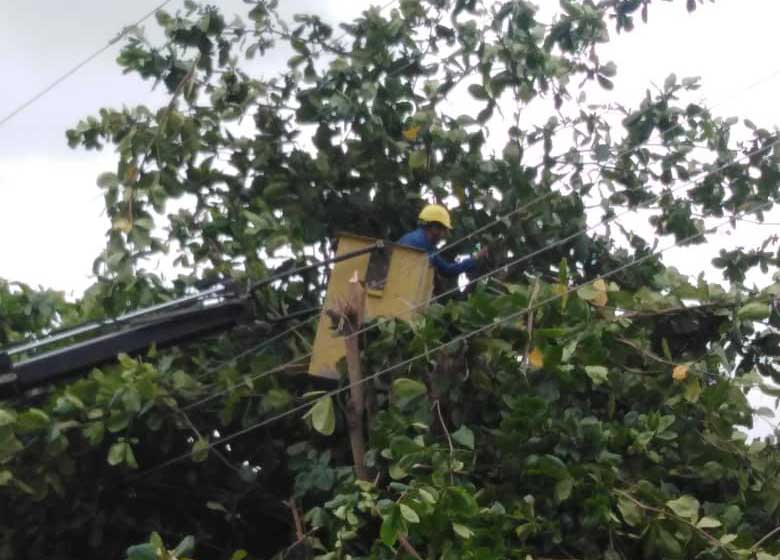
(239, 555)
(200, 450)
(462, 531)
(6, 417)
(609, 69)
(708, 523)
(145, 551)
(732, 516)
(107, 180)
(513, 152)
(396, 472)
(464, 436)
(686, 507)
(692, 390)
(118, 421)
(94, 432)
(323, 417)
(563, 489)
(186, 546)
(587, 292)
(427, 496)
(667, 543)
(597, 374)
(418, 159)
(631, 513)
(754, 311)
(6, 476)
(391, 524)
(478, 91)
(32, 420)
(116, 454)
(126, 361)
(9, 443)
(130, 457)
(277, 399)
(605, 82)
(409, 514)
(405, 388)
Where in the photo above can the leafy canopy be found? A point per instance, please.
(600, 422)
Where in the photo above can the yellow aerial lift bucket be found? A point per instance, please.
(399, 283)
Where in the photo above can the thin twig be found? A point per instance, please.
(765, 538)
(644, 352)
(197, 433)
(449, 439)
(299, 534)
(407, 546)
(702, 532)
(530, 324)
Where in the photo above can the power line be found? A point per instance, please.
(499, 220)
(541, 198)
(466, 336)
(524, 258)
(254, 350)
(318, 316)
(494, 271)
(123, 33)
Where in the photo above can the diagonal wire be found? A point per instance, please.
(527, 257)
(504, 266)
(89, 59)
(466, 336)
(500, 219)
(511, 213)
(252, 351)
(81, 64)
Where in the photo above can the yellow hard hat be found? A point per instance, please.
(435, 213)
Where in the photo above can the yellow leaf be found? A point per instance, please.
(122, 224)
(131, 174)
(411, 133)
(601, 297)
(680, 373)
(535, 358)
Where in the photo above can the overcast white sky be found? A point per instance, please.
(51, 222)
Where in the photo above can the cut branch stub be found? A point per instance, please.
(348, 314)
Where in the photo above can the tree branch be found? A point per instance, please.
(765, 538)
(407, 546)
(299, 534)
(449, 438)
(712, 540)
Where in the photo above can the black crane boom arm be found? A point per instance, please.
(163, 325)
(167, 330)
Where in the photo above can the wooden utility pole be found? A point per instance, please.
(348, 316)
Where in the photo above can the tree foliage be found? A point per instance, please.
(571, 407)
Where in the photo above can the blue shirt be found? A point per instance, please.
(418, 240)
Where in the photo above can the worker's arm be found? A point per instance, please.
(450, 269)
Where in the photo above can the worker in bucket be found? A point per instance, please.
(434, 225)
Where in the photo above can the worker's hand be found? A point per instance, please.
(483, 253)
